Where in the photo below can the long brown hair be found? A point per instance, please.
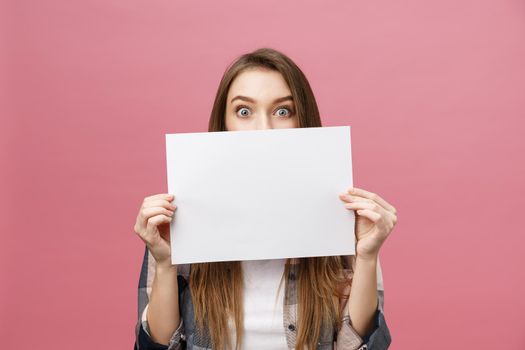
(216, 288)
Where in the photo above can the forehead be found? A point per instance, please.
(260, 84)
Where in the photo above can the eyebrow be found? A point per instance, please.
(249, 99)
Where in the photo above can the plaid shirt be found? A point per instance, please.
(188, 336)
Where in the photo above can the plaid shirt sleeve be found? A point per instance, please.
(379, 338)
(143, 339)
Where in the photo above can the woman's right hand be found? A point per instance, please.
(153, 226)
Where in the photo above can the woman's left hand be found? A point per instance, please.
(375, 220)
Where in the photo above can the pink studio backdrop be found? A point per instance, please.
(434, 92)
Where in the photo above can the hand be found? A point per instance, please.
(153, 226)
(375, 220)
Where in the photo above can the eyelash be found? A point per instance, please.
(283, 106)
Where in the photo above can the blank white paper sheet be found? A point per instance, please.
(260, 194)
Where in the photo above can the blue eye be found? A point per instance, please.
(244, 111)
(285, 114)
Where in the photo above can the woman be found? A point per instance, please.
(238, 304)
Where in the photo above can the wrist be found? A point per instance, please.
(166, 268)
(367, 259)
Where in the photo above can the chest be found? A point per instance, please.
(270, 311)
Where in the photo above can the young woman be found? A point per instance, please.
(327, 302)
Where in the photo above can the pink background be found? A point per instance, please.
(434, 92)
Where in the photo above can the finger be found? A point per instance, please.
(159, 203)
(372, 196)
(147, 234)
(345, 197)
(147, 213)
(360, 205)
(385, 225)
(370, 214)
(389, 216)
(155, 221)
(166, 196)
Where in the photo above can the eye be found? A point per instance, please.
(284, 112)
(242, 111)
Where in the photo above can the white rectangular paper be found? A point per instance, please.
(260, 194)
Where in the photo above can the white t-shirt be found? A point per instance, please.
(263, 309)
